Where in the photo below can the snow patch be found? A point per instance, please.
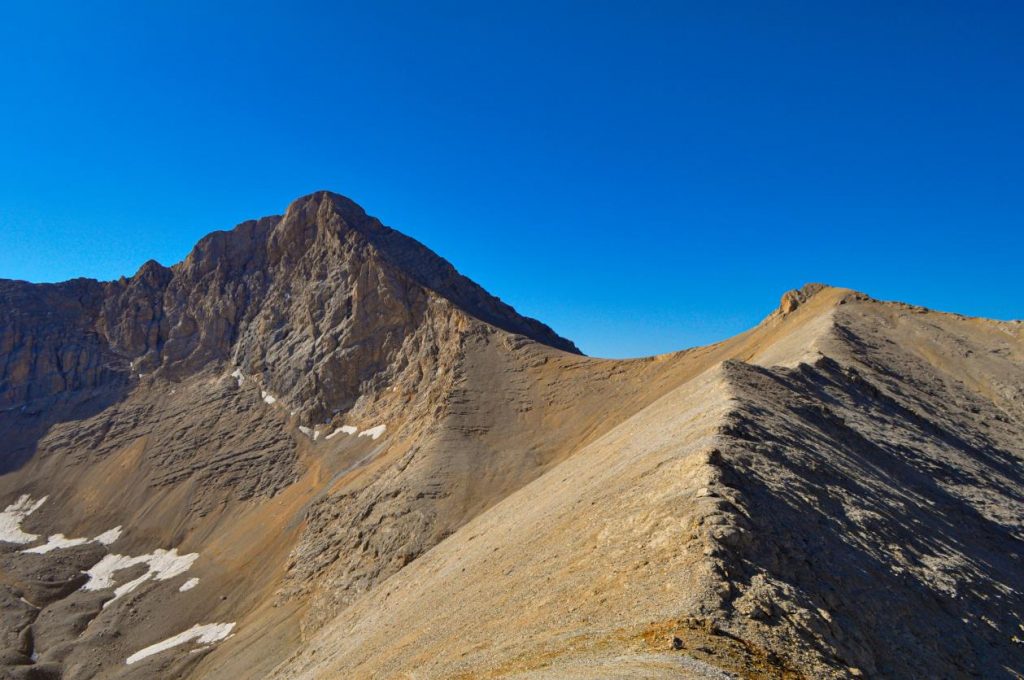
(109, 536)
(238, 376)
(373, 432)
(316, 435)
(161, 565)
(344, 429)
(268, 397)
(203, 634)
(56, 542)
(12, 516)
(305, 430)
(59, 541)
(189, 584)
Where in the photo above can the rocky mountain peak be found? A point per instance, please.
(319, 219)
(317, 301)
(152, 273)
(331, 224)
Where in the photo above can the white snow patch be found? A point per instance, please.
(189, 584)
(305, 430)
(101, 575)
(12, 516)
(268, 397)
(59, 541)
(55, 542)
(161, 565)
(344, 429)
(203, 634)
(316, 435)
(109, 536)
(373, 432)
(237, 375)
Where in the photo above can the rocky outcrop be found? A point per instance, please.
(794, 298)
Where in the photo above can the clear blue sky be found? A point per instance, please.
(641, 176)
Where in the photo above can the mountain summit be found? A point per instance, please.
(319, 301)
(312, 449)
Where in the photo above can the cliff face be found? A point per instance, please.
(49, 342)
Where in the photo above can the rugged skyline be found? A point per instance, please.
(641, 177)
(313, 449)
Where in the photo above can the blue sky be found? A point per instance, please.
(641, 176)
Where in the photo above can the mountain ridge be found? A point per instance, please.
(759, 499)
(353, 476)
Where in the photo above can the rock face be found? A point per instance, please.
(313, 449)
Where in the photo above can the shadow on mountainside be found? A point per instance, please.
(54, 365)
(23, 428)
(874, 528)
